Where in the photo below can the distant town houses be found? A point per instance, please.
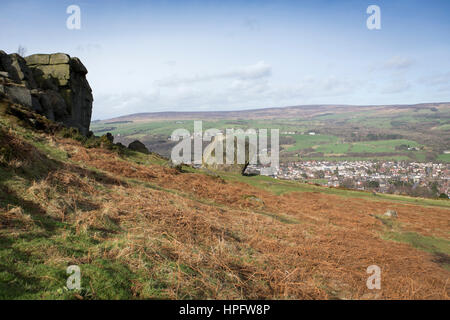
(413, 178)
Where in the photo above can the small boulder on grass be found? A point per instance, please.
(138, 146)
(176, 166)
(255, 199)
(110, 137)
(391, 213)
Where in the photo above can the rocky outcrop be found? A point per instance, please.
(53, 85)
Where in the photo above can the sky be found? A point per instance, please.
(151, 56)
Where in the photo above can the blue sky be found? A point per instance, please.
(146, 56)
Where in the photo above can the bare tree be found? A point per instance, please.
(21, 51)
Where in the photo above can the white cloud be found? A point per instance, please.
(170, 63)
(255, 71)
(395, 64)
(244, 90)
(437, 79)
(396, 87)
(315, 87)
(398, 63)
(89, 47)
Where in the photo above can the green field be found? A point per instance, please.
(419, 134)
(444, 158)
(308, 141)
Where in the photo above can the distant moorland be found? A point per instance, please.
(317, 132)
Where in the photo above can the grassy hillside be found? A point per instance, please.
(139, 229)
(343, 132)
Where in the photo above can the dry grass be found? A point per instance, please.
(323, 256)
(15, 217)
(203, 237)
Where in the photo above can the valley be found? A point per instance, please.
(334, 133)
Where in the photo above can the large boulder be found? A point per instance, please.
(60, 73)
(17, 69)
(24, 74)
(138, 146)
(36, 59)
(19, 95)
(69, 76)
(54, 85)
(53, 105)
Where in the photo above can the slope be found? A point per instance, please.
(139, 229)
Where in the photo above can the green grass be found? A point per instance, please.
(444, 158)
(336, 150)
(429, 244)
(318, 181)
(35, 255)
(335, 147)
(307, 141)
(376, 122)
(440, 248)
(25, 267)
(279, 187)
(27, 273)
(381, 146)
(337, 158)
(444, 127)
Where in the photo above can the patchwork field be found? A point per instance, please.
(414, 133)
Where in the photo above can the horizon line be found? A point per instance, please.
(268, 108)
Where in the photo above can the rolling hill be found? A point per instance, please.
(304, 111)
(342, 132)
(140, 229)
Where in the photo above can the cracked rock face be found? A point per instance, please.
(54, 85)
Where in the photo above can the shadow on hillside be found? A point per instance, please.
(18, 279)
(17, 282)
(36, 166)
